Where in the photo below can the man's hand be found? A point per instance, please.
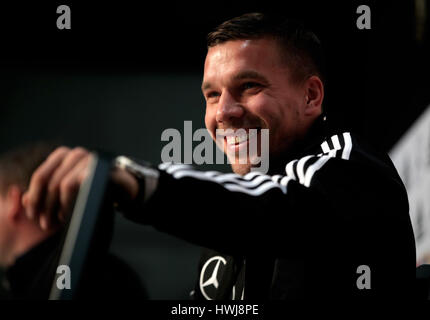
(55, 184)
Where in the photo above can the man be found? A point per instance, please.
(330, 219)
(18, 235)
(30, 255)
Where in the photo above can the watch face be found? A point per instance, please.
(132, 165)
(127, 164)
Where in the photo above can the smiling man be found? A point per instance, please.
(329, 219)
(252, 84)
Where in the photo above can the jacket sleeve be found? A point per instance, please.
(321, 197)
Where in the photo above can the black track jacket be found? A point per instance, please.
(330, 219)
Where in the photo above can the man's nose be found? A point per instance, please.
(228, 108)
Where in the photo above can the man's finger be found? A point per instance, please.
(70, 185)
(39, 180)
(52, 196)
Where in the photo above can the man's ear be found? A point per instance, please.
(314, 95)
(14, 207)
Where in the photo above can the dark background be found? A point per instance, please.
(125, 72)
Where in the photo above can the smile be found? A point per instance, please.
(238, 139)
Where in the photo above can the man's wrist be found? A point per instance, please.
(141, 184)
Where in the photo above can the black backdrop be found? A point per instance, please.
(127, 71)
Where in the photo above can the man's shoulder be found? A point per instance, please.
(339, 156)
(354, 148)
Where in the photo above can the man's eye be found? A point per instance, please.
(212, 94)
(250, 85)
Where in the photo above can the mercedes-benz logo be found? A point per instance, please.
(212, 270)
(212, 281)
(209, 277)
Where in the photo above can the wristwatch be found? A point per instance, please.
(146, 177)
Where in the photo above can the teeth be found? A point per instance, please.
(232, 140)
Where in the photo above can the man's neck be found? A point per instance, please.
(316, 132)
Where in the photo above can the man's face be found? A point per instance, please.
(247, 85)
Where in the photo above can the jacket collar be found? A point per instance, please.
(309, 144)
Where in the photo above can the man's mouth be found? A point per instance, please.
(237, 139)
(240, 137)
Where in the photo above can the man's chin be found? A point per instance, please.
(241, 169)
